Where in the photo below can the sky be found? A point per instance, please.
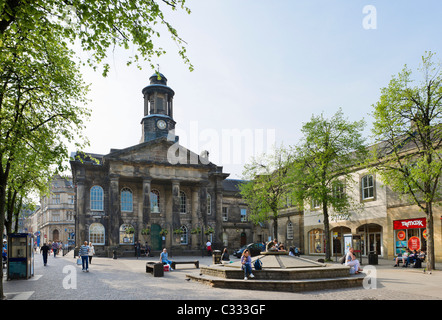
(262, 69)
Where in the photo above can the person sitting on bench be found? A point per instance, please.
(411, 258)
(403, 257)
(164, 258)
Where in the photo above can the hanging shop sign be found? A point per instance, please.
(410, 224)
(414, 243)
(424, 234)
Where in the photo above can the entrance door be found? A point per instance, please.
(155, 237)
(374, 243)
(243, 239)
(55, 235)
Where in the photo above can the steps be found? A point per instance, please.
(279, 273)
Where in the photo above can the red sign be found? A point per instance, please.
(425, 234)
(414, 243)
(410, 224)
(401, 235)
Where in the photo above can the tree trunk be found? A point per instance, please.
(430, 237)
(275, 225)
(2, 226)
(326, 232)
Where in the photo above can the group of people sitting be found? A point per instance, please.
(415, 257)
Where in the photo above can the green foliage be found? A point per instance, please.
(408, 132)
(324, 160)
(98, 26)
(265, 186)
(327, 154)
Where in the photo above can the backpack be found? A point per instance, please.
(257, 264)
(342, 259)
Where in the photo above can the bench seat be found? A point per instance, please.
(195, 262)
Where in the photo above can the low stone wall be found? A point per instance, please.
(227, 272)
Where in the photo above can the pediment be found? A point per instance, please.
(158, 151)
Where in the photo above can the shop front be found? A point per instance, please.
(411, 234)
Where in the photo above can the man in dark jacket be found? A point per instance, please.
(44, 250)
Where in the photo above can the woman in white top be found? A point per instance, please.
(352, 261)
(91, 252)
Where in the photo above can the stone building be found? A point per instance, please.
(55, 220)
(156, 191)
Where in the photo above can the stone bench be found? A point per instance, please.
(195, 262)
(156, 268)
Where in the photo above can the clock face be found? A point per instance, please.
(161, 124)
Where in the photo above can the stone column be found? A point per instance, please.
(146, 201)
(203, 203)
(80, 220)
(195, 217)
(114, 212)
(175, 204)
(218, 217)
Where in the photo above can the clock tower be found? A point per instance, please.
(158, 109)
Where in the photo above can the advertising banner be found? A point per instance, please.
(410, 224)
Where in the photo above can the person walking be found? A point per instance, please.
(44, 250)
(55, 248)
(84, 254)
(91, 252)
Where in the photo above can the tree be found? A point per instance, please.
(408, 132)
(265, 186)
(42, 107)
(98, 25)
(324, 160)
(42, 95)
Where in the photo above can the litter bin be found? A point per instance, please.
(373, 258)
(216, 255)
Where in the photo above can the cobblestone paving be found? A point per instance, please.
(126, 279)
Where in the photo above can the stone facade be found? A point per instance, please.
(156, 191)
(55, 219)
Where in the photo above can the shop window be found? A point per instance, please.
(316, 241)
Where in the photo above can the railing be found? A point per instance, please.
(66, 250)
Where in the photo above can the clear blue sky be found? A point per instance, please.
(265, 65)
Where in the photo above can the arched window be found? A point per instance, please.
(96, 234)
(184, 235)
(209, 204)
(155, 201)
(126, 200)
(183, 202)
(97, 198)
(127, 234)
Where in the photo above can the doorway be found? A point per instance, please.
(55, 236)
(155, 237)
